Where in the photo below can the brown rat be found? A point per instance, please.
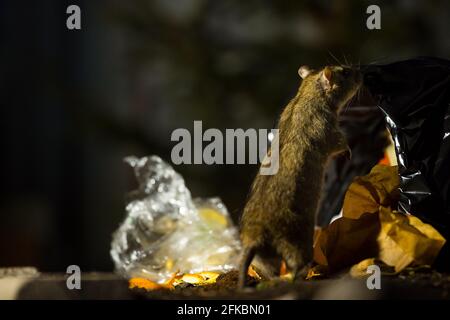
(279, 216)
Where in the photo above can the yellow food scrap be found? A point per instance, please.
(198, 279)
(359, 270)
(143, 283)
(210, 276)
(317, 271)
(283, 268)
(201, 278)
(149, 285)
(192, 278)
(252, 273)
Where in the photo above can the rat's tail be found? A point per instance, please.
(247, 256)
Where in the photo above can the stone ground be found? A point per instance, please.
(28, 284)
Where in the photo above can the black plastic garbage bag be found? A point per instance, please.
(364, 126)
(415, 98)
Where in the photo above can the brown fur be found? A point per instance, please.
(278, 219)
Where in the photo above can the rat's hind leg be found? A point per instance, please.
(264, 259)
(247, 256)
(297, 258)
(267, 263)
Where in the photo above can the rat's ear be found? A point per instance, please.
(304, 71)
(326, 78)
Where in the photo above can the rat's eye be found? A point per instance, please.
(345, 72)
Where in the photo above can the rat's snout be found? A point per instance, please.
(357, 73)
(371, 75)
(357, 76)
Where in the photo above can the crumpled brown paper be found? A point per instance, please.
(370, 227)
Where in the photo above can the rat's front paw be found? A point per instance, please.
(348, 153)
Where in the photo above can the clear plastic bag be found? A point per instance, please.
(166, 231)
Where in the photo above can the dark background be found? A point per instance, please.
(74, 103)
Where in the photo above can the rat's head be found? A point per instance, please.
(337, 83)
